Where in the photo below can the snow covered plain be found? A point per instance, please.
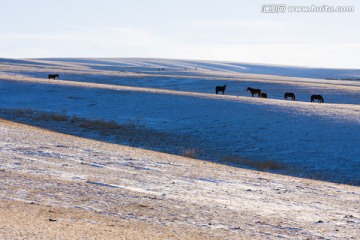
(176, 97)
(174, 104)
(56, 186)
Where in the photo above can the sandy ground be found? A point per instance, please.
(56, 186)
(28, 221)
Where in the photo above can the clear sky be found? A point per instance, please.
(230, 30)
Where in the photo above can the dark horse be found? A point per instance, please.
(220, 89)
(263, 95)
(318, 97)
(289, 94)
(254, 91)
(54, 76)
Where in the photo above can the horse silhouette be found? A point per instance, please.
(290, 95)
(54, 76)
(220, 89)
(254, 91)
(263, 95)
(317, 97)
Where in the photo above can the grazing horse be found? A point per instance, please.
(318, 97)
(54, 76)
(254, 91)
(289, 94)
(220, 89)
(263, 95)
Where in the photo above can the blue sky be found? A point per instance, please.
(229, 30)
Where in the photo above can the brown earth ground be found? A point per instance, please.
(57, 186)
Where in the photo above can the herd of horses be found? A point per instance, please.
(253, 91)
(261, 94)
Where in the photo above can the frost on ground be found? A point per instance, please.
(318, 141)
(66, 184)
(84, 176)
